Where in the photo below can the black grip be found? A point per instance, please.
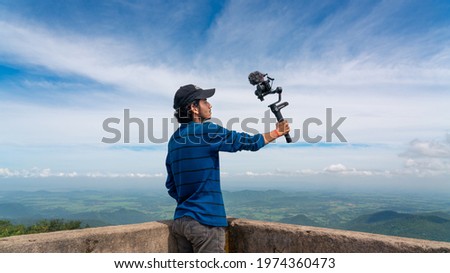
(279, 117)
(288, 138)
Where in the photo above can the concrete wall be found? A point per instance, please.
(243, 236)
(147, 237)
(255, 236)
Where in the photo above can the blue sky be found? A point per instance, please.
(66, 66)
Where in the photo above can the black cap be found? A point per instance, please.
(189, 93)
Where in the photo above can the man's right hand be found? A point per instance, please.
(283, 127)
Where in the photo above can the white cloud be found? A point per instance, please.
(343, 170)
(34, 172)
(427, 157)
(44, 173)
(5, 172)
(412, 168)
(433, 149)
(336, 168)
(121, 175)
(279, 172)
(427, 167)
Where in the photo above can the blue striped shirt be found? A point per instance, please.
(193, 173)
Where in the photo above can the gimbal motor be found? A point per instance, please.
(263, 85)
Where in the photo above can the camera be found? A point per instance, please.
(263, 86)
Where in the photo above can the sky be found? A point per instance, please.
(68, 68)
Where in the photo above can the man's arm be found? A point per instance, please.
(222, 139)
(170, 183)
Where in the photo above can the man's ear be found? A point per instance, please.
(194, 109)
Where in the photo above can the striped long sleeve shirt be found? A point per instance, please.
(193, 173)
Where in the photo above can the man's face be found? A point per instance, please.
(204, 109)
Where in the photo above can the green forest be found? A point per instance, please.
(9, 229)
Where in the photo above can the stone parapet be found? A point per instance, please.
(137, 238)
(256, 236)
(243, 236)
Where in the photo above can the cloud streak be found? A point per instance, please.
(105, 60)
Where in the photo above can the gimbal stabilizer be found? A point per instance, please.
(264, 88)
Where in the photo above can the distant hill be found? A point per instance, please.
(15, 210)
(423, 226)
(116, 217)
(299, 219)
(21, 214)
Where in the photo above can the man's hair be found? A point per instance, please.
(184, 114)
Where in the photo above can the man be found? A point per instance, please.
(193, 173)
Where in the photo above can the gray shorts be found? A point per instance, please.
(191, 236)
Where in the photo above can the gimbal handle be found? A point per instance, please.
(276, 110)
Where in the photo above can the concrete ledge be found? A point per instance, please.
(243, 236)
(147, 237)
(257, 237)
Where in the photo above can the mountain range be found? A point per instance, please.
(394, 215)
